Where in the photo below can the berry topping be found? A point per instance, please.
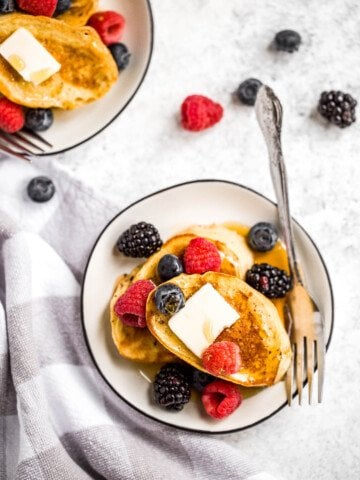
(120, 54)
(62, 6)
(201, 379)
(169, 298)
(140, 240)
(7, 6)
(36, 7)
(268, 280)
(12, 116)
(169, 266)
(221, 398)
(171, 387)
(201, 256)
(109, 25)
(222, 358)
(287, 41)
(199, 112)
(247, 91)
(39, 119)
(338, 108)
(262, 237)
(41, 189)
(131, 306)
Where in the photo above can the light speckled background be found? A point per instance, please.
(208, 47)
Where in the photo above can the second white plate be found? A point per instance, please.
(170, 210)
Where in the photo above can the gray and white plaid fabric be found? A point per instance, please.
(59, 420)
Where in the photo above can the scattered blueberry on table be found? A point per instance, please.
(41, 189)
(287, 41)
(247, 91)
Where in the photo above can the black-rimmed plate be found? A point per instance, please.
(74, 127)
(171, 210)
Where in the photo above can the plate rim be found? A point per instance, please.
(141, 81)
(162, 190)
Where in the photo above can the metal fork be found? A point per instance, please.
(305, 322)
(23, 145)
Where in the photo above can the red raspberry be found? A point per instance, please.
(221, 398)
(199, 112)
(109, 25)
(12, 116)
(38, 7)
(222, 358)
(201, 256)
(131, 306)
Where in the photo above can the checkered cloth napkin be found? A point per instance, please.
(59, 420)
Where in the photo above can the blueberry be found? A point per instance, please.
(169, 298)
(41, 189)
(38, 119)
(169, 266)
(61, 7)
(7, 6)
(121, 55)
(262, 237)
(247, 91)
(200, 380)
(287, 41)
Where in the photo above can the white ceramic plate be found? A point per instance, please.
(201, 202)
(71, 128)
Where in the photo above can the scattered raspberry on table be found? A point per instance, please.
(199, 112)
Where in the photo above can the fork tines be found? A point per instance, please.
(23, 145)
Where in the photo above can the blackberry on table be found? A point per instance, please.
(268, 280)
(338, 107)
(287, 41)
(247, 91)
(172, 387)
(140, 240)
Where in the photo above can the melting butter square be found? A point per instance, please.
(205, 315)
(28, 57)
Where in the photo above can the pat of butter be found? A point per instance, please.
(28, 57)
(205, 315)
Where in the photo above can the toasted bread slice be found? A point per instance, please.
(264, 344)
(136, 344)
(87, 72)
(79, 12)
(230, 262)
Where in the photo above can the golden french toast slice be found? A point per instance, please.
(87, 68)
(136, 344)
(79, 12)
(177, 245)
(264, 344)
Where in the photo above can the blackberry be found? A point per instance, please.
(41, 189)
(61, 7)
(7, 6)
(268, 280)
(338, 108)
(247, 91)
(172, 387)
(262, 237)
(39, 119)
(201, 379)
(169, 298)
(120, 54)
(169, 266)
(287, 41)
(140, 240)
